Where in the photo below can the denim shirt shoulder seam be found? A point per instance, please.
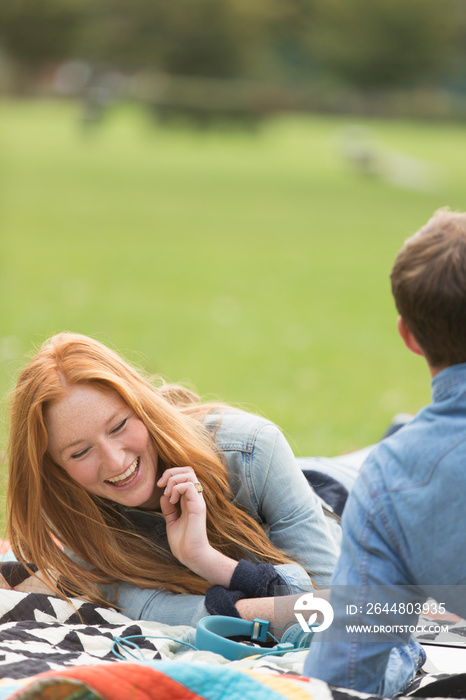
(374, 493)
(241, 445)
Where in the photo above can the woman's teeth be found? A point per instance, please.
(126, 476)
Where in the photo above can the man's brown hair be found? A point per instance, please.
(429, 286)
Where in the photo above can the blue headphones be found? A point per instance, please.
(213, 633)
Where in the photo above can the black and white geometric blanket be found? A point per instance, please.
(41, 633)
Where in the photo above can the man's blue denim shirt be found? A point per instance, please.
(267, 482)
(404, 525)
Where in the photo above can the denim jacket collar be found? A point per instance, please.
(448, 382)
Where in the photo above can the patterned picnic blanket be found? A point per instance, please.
(48, 649)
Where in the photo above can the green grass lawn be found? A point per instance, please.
(253, 267)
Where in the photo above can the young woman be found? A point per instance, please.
(166, 507)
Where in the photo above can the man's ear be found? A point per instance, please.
(408, 338)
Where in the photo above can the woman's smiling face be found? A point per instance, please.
(99, 441)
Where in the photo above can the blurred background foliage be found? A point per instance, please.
(370, 46)
(248, 258)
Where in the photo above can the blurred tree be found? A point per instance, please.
(35, 31)
(189, 37)
(34, 34)
(368, 43)
(280, 45)
(386, 43)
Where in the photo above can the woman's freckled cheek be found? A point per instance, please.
(77, 416)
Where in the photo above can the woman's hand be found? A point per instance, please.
(184, 510)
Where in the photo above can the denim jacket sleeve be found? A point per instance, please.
(269, 484)
(159, 605)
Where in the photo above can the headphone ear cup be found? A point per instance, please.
(296, 636)
(214, 631)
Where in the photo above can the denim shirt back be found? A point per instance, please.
(403, 525)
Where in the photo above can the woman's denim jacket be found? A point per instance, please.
(267, 482)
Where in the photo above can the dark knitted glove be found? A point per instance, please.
(248, 581)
